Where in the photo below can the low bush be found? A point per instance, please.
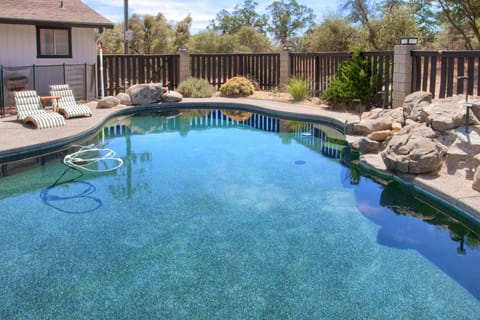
(237, 87)
(354, 80)
(195, 88)
(298, 88)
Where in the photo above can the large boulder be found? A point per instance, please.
(146, 93)
(124, 99)
(449, 114)
(377, 119)
(172, 96)
(414, 104)
(414, 149)
(108, 102)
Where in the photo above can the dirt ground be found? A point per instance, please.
(282, 97)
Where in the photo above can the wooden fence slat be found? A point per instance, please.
(450, 74)
(443, 77)
(433, 75)
(460, 75)
(426, 64)
(470, 74)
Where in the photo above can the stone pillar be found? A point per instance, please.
(284, 69)
(183, 65)
(402, 73)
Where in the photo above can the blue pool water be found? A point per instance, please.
(210, 218)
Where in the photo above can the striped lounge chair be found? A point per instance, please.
(30, 110)
(67, 105)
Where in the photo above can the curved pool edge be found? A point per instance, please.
(44, 147)
(424, 185)
(273, 108)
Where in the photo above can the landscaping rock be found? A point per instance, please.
(449, 114)
(108, 102)
(476, 162)
(378, 119)
(476, 177)
(396, 126)
(365, 145)
(414, 104)
(147, 93)
(172, 96)
(476, 109)
(476, 181)
(414, 150)
(124, 99)
(379, 136)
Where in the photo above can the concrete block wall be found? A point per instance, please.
(184, 65)
(284, 69)
(402, 73)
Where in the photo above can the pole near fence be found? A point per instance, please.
(102, 84)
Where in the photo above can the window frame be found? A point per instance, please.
(58, 56)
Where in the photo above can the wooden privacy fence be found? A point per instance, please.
(381, 64)
(122, 71)
(263, 68)
(446, 73)
(318, 69)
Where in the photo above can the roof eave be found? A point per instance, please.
(77, 24)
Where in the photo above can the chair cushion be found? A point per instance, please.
(46, 120)
(67, 104)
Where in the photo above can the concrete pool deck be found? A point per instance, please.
(453, 188)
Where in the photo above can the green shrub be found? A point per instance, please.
(237, 87)
(195, 88)
(298, 88)
(354, 80)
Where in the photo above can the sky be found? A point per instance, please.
(202, 11)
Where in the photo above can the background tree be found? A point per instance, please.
(333, 34)
(112, 39)
(381, 24)
(288, 18)
(211, 42)
(182, 32)
(248, 40)
(361, 11)
(396, 21)
(463, 17)
(150, 34)
(242, 15)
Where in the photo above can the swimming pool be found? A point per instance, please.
(220, 215)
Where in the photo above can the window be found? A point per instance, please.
(54, 42)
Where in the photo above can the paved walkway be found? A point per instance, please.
(451, 187)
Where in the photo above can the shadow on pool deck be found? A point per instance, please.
(16, 138)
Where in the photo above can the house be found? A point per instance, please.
(47, 42)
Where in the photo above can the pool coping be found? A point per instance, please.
(466, 204)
